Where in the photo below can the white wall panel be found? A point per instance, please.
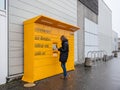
(21, 10)
(3, 47)
(114, 41)
(15, 36)
(105, 27)
(91, 36)
(17, 69)
(13, 44)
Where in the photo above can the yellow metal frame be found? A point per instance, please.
(40, 60)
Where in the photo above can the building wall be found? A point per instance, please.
(114, 41)
(21, 10)
(3, 42)
(91, 4)
(3, 46)
(105, 27)
(119, 44)
(91, 36)
(83, 12)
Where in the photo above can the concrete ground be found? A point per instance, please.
(102, 76)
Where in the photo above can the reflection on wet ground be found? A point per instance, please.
(102, 76)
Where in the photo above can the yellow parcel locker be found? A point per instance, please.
(41, 35)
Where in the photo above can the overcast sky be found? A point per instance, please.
(114, 5)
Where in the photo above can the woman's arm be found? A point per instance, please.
(64, 48)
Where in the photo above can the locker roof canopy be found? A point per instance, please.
(42, 19)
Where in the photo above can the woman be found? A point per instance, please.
(64, 54)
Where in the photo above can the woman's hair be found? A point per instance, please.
(63, 38)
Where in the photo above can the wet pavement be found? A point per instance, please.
(102, 76)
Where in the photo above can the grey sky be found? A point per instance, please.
(114, 5)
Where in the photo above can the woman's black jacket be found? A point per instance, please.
(64, 50)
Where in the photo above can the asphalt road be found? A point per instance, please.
(101, 76)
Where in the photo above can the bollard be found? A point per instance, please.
(88, 62)
(105, 58)
(115, 54)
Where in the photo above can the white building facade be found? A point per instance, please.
(114, 41)
(119, 44)
(4, 42)
(91, 36)
(87, 36)
(105, 28)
